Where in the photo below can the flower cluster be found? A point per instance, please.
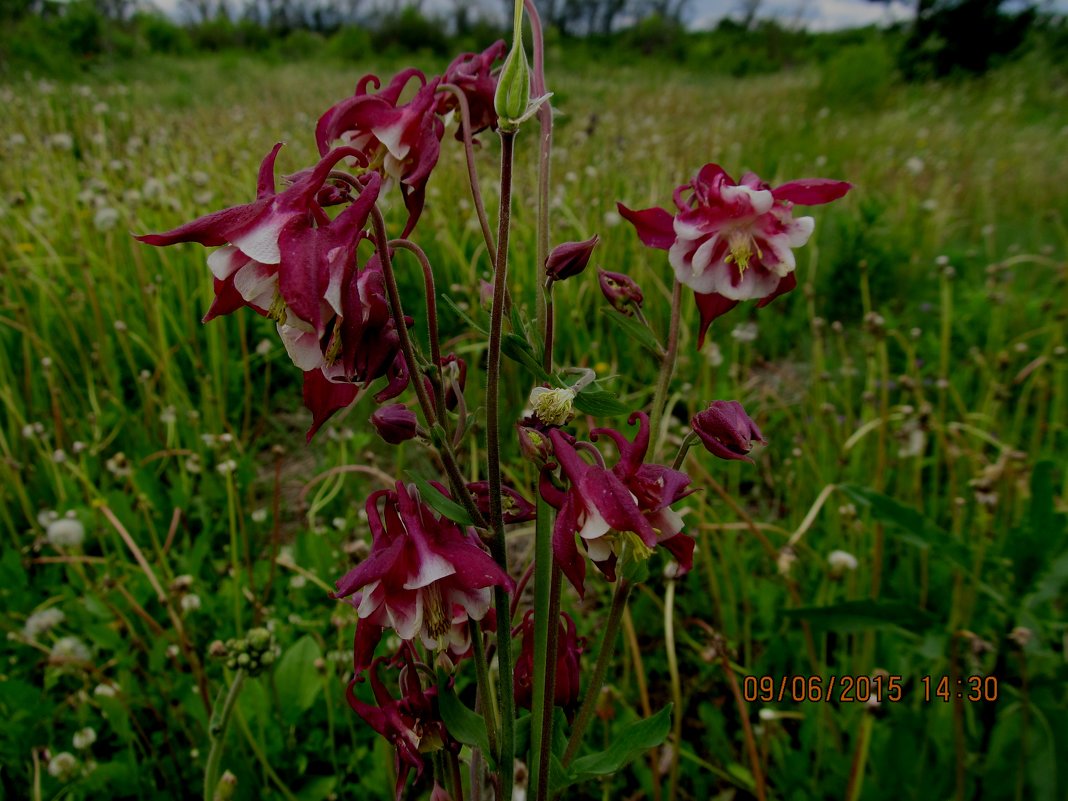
(286, 258)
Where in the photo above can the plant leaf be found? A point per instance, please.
(440, 504)
(519, 350)
(600, 403)
(634, 330)
(628, 744)
(864, 615)
(466, 726)
(297, 679)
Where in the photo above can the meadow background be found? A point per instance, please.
(912, 391)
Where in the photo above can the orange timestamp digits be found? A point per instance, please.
(842, 689)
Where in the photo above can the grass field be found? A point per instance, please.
(913, 392)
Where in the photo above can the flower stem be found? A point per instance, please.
(593, 691)
(220, 721)
(544, 300)
(472, 173)
(448, 457)
(485, 693)
(667, 367)
(546, 629)
(498, 546)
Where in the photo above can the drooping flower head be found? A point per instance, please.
(731, 241)
(621, 291)
(425, 576)
(628, 504)
(569, 647)
(473, 74)
(401, 140)
(409, 723)
(726, 430)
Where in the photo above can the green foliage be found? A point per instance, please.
(858, 76)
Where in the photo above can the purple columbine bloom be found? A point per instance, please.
(569, 647)
(726, 430)
(600, 504)
(425, 576)
(473, 74)
(731, 241)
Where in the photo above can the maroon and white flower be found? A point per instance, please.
(424, 578)
(731, 241)
(403, 141)
(569, 648)
(409, 723)
(473, 74)
(631, 502)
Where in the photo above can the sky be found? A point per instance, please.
(817, 15)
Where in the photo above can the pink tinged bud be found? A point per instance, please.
(726, 430)
(534, 445)
(568, 677)
(570, 259)
(394, 423)
(620, 290)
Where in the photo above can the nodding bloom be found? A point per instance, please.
(569, 647)
(395, 423)
(730, 242)
(726, 430)
(472, 74)
(424, 577)
(621, 291)
(403, 141)
(409, 723)
(516, 508)
(283, 257)
(628, 504)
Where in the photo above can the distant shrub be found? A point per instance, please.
(298, 44)
(163, 36)
(656, 36)
(411, 31)
(350, 43)
(859, 75)
(951, 36)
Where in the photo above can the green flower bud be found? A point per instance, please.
(513, 88)
(259, 639)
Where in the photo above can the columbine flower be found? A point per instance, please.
(726, 430)
(424, 578)
(569, 646)
(408, 723)
(606, 508)
(403, 141)
(621, 291)
(472, 74)
(730, 241)
(569, 259)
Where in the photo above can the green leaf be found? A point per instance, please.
(440, 504)
(466, 726)
(600, 403)
(634, 330)
(297, 679)
(627, 744)
(519, 350)
(317, 789)
(864, 615)
(464, 315)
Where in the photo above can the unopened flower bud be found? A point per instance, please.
(570, 259)
(534, 445)
(726, 430)
(394, 423)
(620, 290)
(513, 88)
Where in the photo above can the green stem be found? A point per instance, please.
(498, 547)
(546, 629)
(220, 721)
(593, 691)
(667, 367)
(485, 692)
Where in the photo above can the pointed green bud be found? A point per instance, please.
(513, 88)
